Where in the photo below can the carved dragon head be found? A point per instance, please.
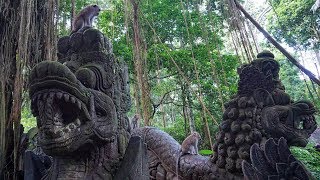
(78, 102)
(68, 114)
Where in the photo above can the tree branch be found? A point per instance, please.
(277, 45)
(155, 106)
(163, 77)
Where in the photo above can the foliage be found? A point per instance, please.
(178, 131)
(27, 119)
(294, 23)
(309, 157)
(293, 83)
(205, 152)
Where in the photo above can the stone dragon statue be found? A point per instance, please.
(81, 103)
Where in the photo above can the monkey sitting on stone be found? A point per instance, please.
(135, 121)
(188, 146)
(85, 17)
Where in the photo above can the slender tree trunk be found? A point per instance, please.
(235, 47)
(139, 66)
(8, 37)
(126, 20)
(51, 30)
(163, 117)
(63, 25)
(207, 130)
(235, 35)
(73, 12)
(184, 107)
(253, 37)
(137, 98)
(24, 40)
(246, 36)
(3, 124)
(190, 111)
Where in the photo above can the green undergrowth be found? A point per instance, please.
(205, 152)
(309, 157)
(27, 119)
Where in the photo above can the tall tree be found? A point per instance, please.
(139, 61)
(24, 41)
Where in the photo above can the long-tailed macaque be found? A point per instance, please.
(135, 121)
(188, 146)
(85, 17)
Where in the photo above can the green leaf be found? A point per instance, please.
(206, 152)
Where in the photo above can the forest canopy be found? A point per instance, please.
(189, 53)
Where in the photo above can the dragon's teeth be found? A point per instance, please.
(66, 97)
(51, 95)
(59, 95)
(73, 99)
(45, 95)
(79, 104)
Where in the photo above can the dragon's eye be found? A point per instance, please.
(86, 77)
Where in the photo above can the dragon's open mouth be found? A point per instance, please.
(300, 123)
(295, 122)
(61, 117)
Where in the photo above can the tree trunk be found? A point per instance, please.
(126, 20)
(139, 67)
(253, 37)
(192, 124)
(10, 23)
(137, 98)
(163, 117)
(207, 130)
(184, 107)
(73, 12)
(24, 39)
(235, 47)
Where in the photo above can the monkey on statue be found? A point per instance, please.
(135, 121)
(85, 17)
(188, 146)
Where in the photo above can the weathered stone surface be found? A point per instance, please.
(135, 161)
(81, 107)
(315, 136)
(81, 103)
(274, 161)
